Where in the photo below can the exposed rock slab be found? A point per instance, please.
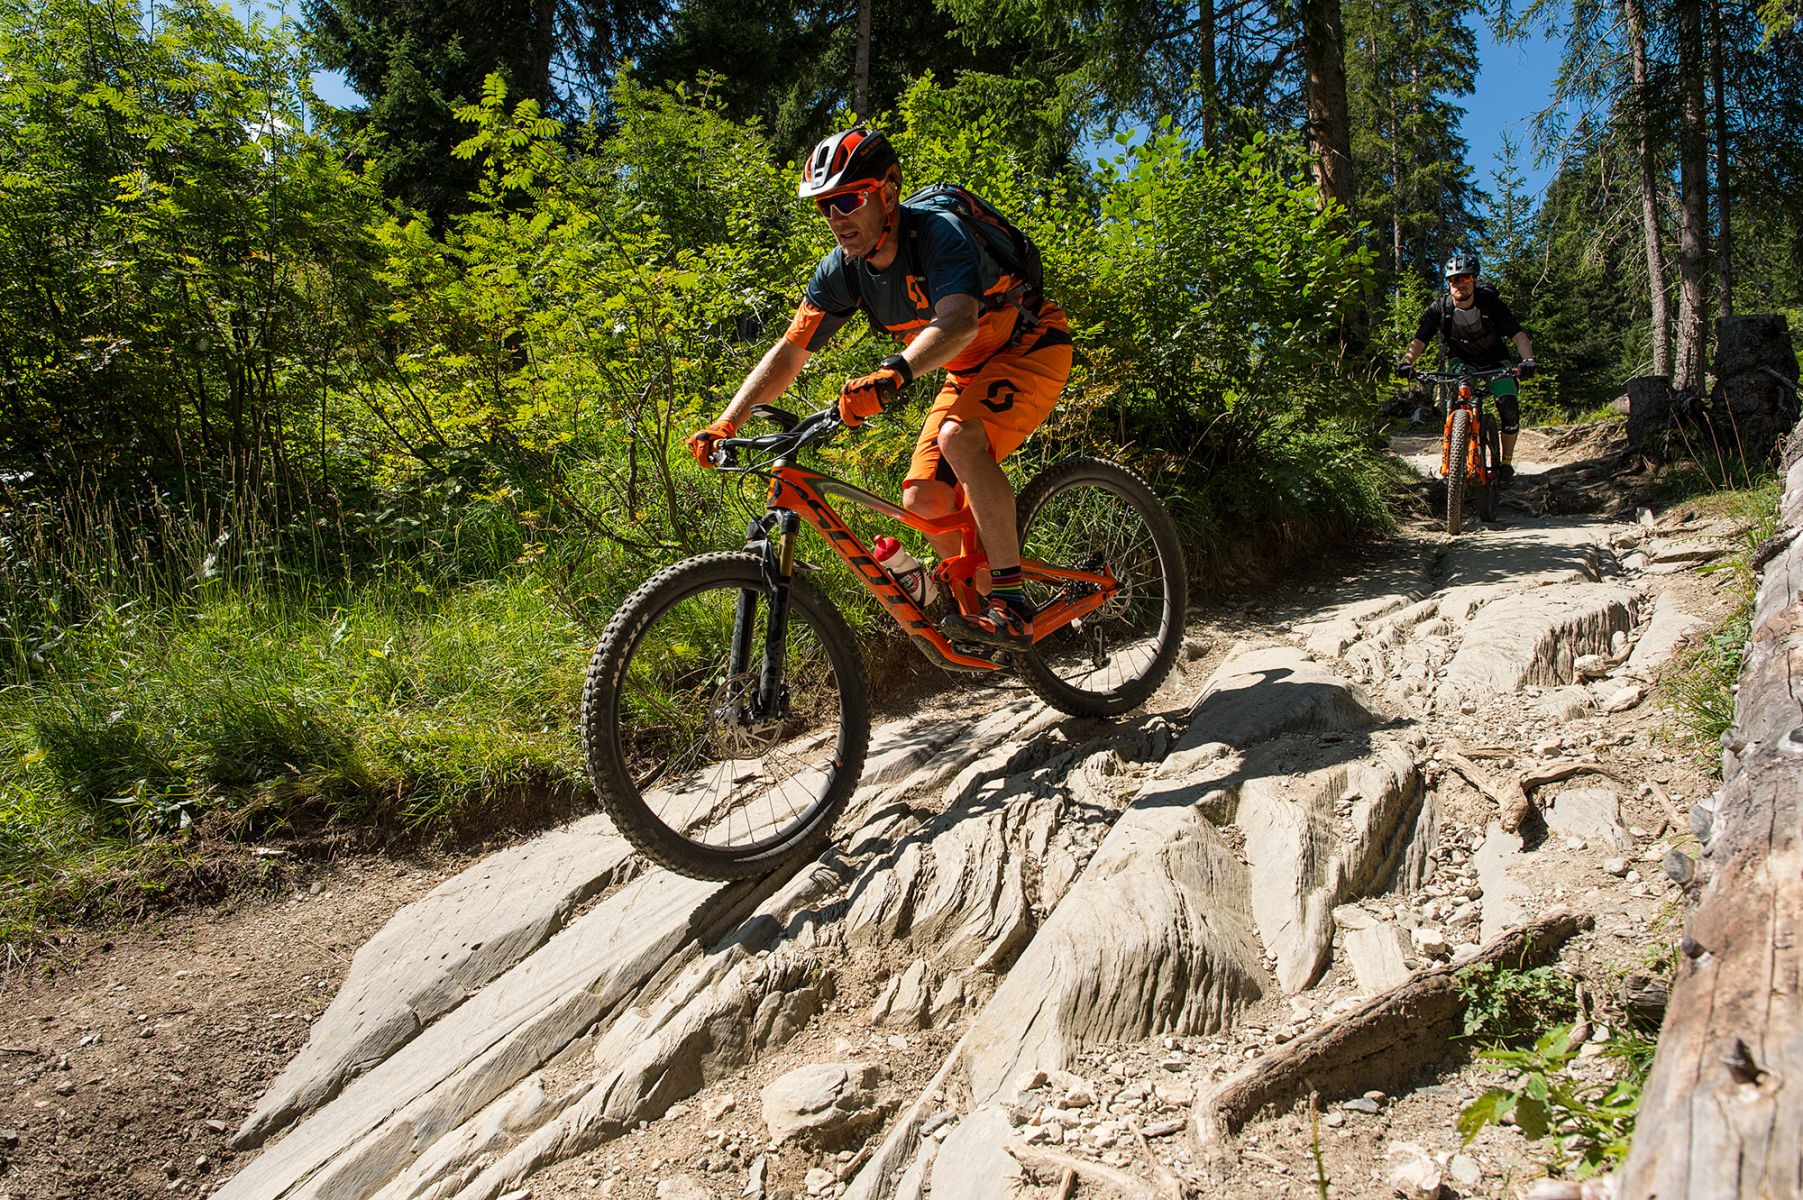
(1304, 856)
(971, 1164)
(1377, 956)
(1591, 813)
(435, 952)
(1528, 554)
(1157, 935)
(482, 1048)
(1665, 633)
(824, 1104)
(1496, 858)
(1534, 637)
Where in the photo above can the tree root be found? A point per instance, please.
(1385, 1038)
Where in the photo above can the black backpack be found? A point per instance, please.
(1012, 250)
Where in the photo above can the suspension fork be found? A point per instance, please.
(778, 555)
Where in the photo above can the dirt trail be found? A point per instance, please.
(1030, 929)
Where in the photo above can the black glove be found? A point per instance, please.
(1405, 370)
(1527, 368)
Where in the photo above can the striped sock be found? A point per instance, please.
(1005, 585)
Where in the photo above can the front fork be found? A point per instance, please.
(778, 555)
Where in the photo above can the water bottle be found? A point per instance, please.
(907, 570)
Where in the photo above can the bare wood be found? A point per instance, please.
(1166, 1182)
(17, 1050)
(1127, 1185)
(1552, 772)
(1067, 1184)
(1510, 798)
(1722, 1112)
(1385, 1038)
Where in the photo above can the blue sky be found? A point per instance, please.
(1513, 83)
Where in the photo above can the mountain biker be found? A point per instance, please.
(925, 279)
(1473, 321)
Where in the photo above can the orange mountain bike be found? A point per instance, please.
(1469, 447)
(725, 715)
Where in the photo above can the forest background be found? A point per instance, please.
(330, 438)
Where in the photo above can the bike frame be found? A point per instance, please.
(1466, 399)
(800, 494)
(1465, 396)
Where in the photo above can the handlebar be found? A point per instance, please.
(1466, 376)
(795, 434)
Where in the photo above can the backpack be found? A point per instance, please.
(1012, 250)
(1444, 302)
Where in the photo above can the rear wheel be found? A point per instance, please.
(1087, 514)
(693, 769)
(1491, 450)
(1458, 455)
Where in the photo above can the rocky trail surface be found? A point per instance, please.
(1041, 952)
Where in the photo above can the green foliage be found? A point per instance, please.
(1406, 64)
(1588, 1123)
(1700, 690)
(180, 251)
(1505, 1004)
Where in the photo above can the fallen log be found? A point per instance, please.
(1721, 1114)
(1384, 1039)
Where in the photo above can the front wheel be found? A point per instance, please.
(703, 764)
(1089, 515)
(1458, 456)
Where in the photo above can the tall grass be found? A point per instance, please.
(1701, 690)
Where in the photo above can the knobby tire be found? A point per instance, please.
(1079, 513)
(681, 769)
(1457, 458)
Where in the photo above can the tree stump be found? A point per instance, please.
(1755, 398)
(1649, 413)
(1722, 1112)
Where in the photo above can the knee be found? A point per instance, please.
(963, 441)
(927, 498)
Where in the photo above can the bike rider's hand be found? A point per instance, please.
(701, 444)
(864, 396)
(1405, 370)
(1527, 368)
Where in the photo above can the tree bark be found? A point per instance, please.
(1329, 127)
(1649, 190)
(1693, 202)
(1722, 1112)
(1724, 236)
(861, 85)
(1382, 1040)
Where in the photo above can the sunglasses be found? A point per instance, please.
(1460, 278)
(845, 203)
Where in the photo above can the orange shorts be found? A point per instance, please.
(1011, 394)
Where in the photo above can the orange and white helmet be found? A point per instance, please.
(857, 155)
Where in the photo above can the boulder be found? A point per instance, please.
(1591, 813)
(827, 1105)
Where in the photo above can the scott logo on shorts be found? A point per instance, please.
(1000, 396)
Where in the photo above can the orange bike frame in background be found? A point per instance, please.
(1474, 439)
(804, 492)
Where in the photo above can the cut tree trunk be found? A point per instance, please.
(1721, 1114)
(1329, 126)
(1693, 198)
(1649, 189)
(1387, 1038)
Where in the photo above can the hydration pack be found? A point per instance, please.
(1012, 250)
